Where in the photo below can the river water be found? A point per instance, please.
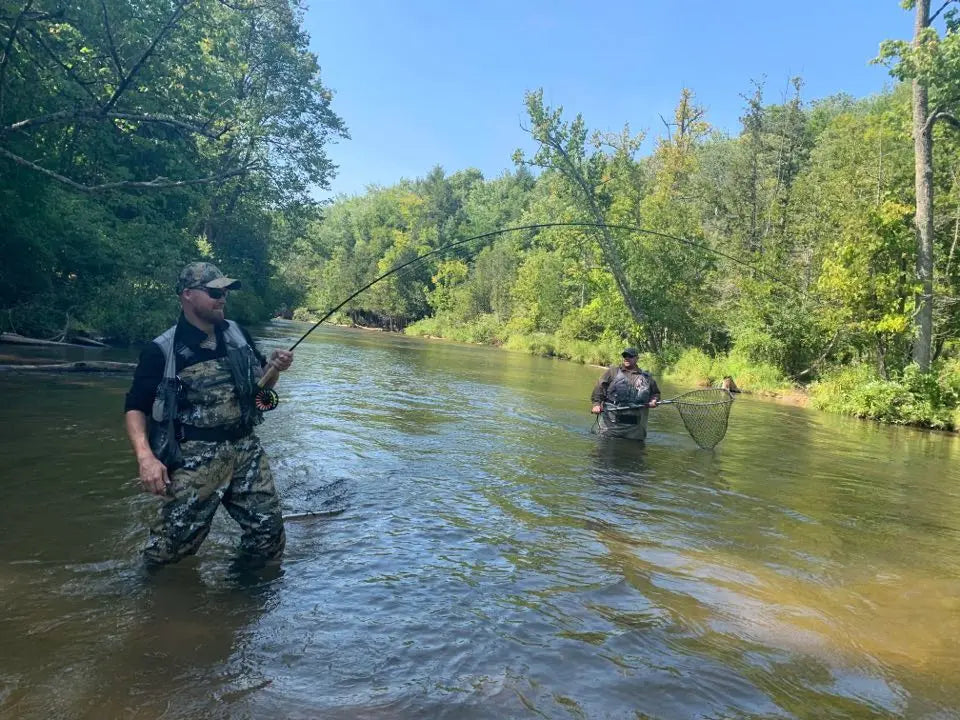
(483, 555)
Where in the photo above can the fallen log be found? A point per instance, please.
(7, 337)
(77, 340)
(102, 366)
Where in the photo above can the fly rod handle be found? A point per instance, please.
(270, 375)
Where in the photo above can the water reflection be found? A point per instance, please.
(617, 458)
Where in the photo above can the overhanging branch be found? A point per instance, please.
(191, 125)
(128, 78)
(8, 48)
(156, 183)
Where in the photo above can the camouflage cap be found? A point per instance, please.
(630, 352)
(204, 274)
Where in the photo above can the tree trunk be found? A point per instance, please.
(923, 173)
(608, 245)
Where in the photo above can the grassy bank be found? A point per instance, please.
(913, 398)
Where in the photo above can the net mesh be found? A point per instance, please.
(705, 414)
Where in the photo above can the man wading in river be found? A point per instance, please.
(620, 385)
(190, 416)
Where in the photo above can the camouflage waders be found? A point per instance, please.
(232, 471)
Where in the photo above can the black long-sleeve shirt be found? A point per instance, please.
(149, 370)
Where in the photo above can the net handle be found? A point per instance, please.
(608, 406)
(728, 398)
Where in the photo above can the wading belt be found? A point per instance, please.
(185, 433)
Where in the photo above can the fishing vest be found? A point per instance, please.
(215, 393)
(629, 389)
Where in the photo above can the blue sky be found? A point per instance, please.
(427, 83)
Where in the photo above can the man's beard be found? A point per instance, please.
(212, 316)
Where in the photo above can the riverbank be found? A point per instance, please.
(927, 400)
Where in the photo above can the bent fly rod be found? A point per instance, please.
(267, 398)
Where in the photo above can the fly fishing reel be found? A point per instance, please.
(266, 399)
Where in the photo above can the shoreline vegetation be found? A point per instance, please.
(855, 391)
(852, 392)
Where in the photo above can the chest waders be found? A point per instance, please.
(626, 389)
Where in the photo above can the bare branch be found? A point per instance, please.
(156, 183)
(939, 114)
(191, 125)
(5, 60)
(125, 82)
(942, 8)
(113, 45)
(668, 126)
(823, 356)
(950, 118)
(71, 73)
(159, 118)
(241, 7)
(38, 15)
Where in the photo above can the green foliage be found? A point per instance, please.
(910, 398)
(550, 345)
(483, 329)
(752, 376)
(808, 210)
(223, 96)
(695, 367)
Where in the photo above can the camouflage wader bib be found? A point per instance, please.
(626, 390)
(232, 472)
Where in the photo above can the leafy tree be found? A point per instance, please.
(217, 103)
(562, 146)
(932, 65)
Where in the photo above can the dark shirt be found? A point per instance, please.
(599, 393)
(149, 370)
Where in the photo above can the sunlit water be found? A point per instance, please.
(484, 556)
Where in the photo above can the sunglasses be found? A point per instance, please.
(214, 293)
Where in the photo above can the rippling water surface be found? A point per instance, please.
(483, 555)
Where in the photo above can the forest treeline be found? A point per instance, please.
(817, 245)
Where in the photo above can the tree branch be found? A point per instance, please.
(823, 355)
(192, 127)
(950, 118)
(667, 126)
(113, 46)
(66, 116)
(71, 73)
(125, 82)
(942, 8)
(5, 60)
(156, 183)
(939, 114)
